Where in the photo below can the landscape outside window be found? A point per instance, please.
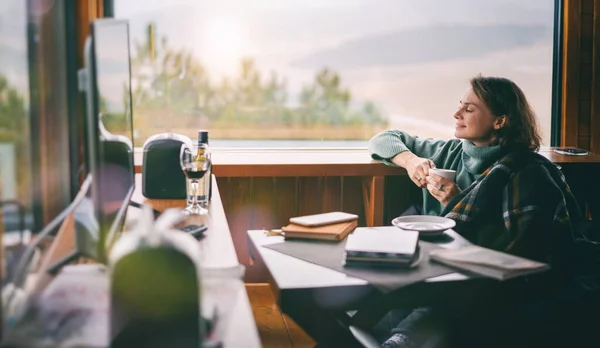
(289, 73)
(15, 155)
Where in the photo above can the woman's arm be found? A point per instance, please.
(399, 149)
(386, 145)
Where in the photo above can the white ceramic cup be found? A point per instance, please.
(449, 174)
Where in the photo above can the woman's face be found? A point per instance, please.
(474, 121)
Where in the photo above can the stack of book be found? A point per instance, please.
(333, 226)
(382, 246)
(487, 262)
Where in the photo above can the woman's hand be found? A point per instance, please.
(441, 188)
(417, 167)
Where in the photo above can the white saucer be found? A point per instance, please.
(424, 224)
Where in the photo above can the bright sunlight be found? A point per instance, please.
(223, 43)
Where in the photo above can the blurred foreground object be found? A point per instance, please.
(155, 285)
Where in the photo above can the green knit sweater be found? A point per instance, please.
(468, 160)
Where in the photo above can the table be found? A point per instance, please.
(77, 300)
(319, 299)
(218, 251)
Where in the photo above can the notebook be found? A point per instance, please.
(323, 219)
(488, 262)
(383, 245)
(333, 232)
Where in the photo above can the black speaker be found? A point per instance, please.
(162, 177)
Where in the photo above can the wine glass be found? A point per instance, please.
(195, 162)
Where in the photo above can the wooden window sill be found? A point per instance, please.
(319, 162)
(294, 162)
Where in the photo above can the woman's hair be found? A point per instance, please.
(504, 97)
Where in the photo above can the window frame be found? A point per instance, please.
(557, 74)
(48, 113)
(556, 128)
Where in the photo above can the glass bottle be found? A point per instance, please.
(205, 182)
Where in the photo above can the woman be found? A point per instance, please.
(505, 196)
(493, 119)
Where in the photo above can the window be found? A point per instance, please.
(34, 153)
(327, 72)
(15, 158)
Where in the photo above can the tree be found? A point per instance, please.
(325, 102)
(12, 112)
(172, 87)
(14, 129)
(250, 100)
(168, 85)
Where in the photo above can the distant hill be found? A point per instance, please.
(424, 45)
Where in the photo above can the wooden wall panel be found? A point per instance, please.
(587, 7)
(331, 193)
(373, 189)
(285, 199)
(310, 195)
(581, 75)
(87, 11)
(585, 107)
(236, 194)
(571, 67)
(587, 32)
(595, 97)
(352, 199)
(585, 85)
(263, 212)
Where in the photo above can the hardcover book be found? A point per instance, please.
(488, 262)
(383, 245)
(314, 220)
(333, 232)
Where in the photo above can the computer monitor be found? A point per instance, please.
(109, 127)
(99, 208)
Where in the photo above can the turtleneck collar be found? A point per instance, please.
(476, 159)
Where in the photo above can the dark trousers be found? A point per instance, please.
(421, 325)
(566, 317)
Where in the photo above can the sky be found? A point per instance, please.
(222, 32)
(113, 65)
(369, 43)
(283, 35)
(13, 43)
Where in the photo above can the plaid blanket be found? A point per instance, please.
(521, 205)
